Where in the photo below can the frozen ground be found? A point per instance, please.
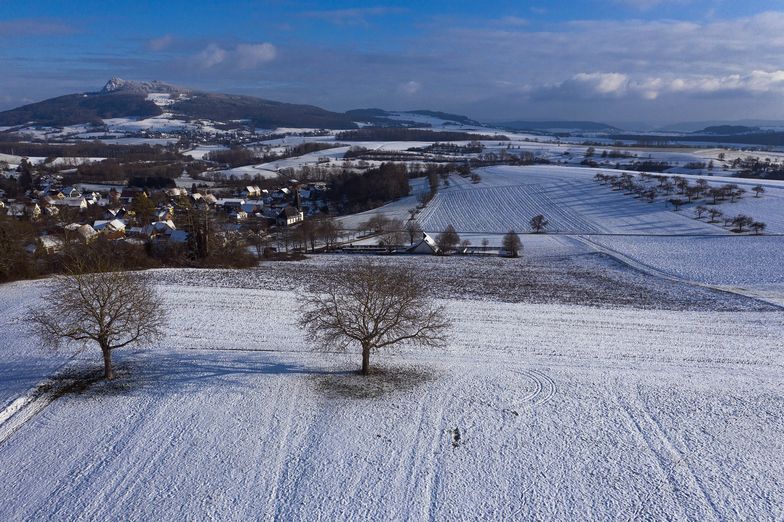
(648, 234)
(270, 169)
(534, 410)
(508, 197)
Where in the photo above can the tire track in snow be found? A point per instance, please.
(686, 488)
(432, 468)
(24, 408)
(544, 387)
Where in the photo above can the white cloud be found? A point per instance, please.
(604, 83)
(159, 44)
(250, 56)
(410, 88)
(243, 56)
(211, 56)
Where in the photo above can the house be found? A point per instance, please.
(78, 203)
(159, 228)
(33, 211)
(426, 246)
(87, 233)
(114, 229)
(115, 213)
(290, 216)
(129, 194)
(176, 192)
(16, 210)
(281, 193)
(252, 192)
(164, 214)
(71, 192)
(135, 231)
(49, 245)
(252, 208)
(233, 204)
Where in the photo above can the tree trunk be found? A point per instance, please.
(107, 363)
(365, 359)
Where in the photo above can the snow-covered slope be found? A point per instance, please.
(508, 197)
(531, 412)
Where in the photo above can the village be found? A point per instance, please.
(206, 225)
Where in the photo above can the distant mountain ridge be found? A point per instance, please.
(132, 99)
(141, 87)
(728, 130)
(585, 126)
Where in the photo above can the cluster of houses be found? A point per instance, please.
(86, 212)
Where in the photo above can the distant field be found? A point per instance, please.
(508, 197)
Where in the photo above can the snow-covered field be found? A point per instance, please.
(270, 169)
(651, 235)
(533, 411)
(508, 197)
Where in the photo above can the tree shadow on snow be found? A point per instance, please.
(179, 372)
(379, 382)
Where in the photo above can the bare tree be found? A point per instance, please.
(414, 230)
(376, 224)
(447, 240)
(393, 234)
(373, 306)
(741, 221)
(512, 244)
(112, 309)
(714, 214)
(538, 223)
(259, 239)
(677, 203)
(692, 193)
(758, 189)
(700, 211)
(737, 193)
(758, 227)
(329, 231)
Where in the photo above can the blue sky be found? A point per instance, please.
(609, 60)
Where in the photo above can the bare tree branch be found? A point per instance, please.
(112, 309)
(372, 306)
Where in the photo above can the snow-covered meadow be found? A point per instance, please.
(553, 410)
(650, 235)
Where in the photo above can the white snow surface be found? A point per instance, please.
(563, 413)
(508, 197)
(270, 169)
(649, 235)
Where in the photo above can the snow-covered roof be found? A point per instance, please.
(426, 245)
